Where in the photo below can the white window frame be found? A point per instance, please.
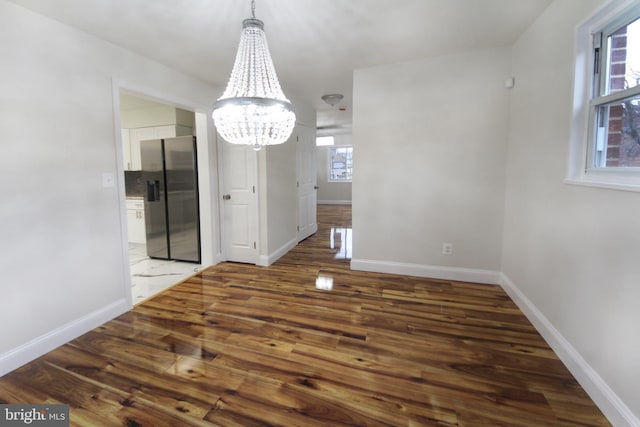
(334, 147)
(585, 102)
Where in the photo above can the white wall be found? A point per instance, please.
(280, 200)
(332, 192)
(63, 262)
(572, 252)
(278, 192)
(429, 165)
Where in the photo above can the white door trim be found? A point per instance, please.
(210, 234)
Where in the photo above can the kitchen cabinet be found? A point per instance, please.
(137, 135)
(131, 142)
(126, 148)
(135, 221)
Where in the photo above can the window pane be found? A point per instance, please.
(624, 57)
(618, 134)
(341, 164)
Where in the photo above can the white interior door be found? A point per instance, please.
(307, 181)
(239, 201)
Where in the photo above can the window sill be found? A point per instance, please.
(601, 182)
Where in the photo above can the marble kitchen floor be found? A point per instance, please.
(151, 276)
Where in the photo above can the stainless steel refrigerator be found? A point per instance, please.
(171, 210)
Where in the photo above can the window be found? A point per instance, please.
(340, 164)
(615, 116)
(605, 130)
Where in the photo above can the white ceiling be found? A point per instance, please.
(315, 44)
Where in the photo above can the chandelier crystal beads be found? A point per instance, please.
(253, 110)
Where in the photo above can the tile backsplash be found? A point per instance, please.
(133, 183)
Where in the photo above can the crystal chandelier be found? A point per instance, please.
(253, 109)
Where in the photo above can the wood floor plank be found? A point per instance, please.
(381, 407)
(245, 345)
(294, 397)
(167, 390)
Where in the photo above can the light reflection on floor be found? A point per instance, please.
(340, 239)
(324, 282)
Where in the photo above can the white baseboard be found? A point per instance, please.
(334, 202)
(310, 231)
(433, 271)
(35, 348)
(267, 260)
(604, 397)
(218, 258)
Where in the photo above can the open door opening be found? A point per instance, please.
(160, 175)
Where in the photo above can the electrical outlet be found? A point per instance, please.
(447, 249)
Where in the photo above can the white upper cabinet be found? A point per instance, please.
(143, 119)
(137, 135)
(126, 148)
(131, 142)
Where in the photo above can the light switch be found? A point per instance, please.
(108, 179)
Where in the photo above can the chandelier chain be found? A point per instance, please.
(253, 9)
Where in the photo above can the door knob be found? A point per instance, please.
(226, 197)
(315, 187)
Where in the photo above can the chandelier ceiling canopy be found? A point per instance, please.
(253, 110)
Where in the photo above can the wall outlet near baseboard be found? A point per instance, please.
(447, 249)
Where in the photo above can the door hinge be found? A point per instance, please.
(298, 184)
(254, 189)
(298, 228)
(254, 245)
(297, 138)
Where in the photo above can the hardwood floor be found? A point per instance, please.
(307, 342)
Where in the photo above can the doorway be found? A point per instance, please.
(146, 120)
